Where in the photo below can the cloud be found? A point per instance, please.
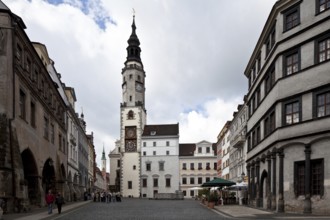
(194, 54)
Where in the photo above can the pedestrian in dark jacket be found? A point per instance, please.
(59, 202)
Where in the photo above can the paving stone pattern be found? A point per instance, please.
(142, 209)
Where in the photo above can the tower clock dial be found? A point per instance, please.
(130, 133)
(130, 146)
(139, 87)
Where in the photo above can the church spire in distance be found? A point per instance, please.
(133, 49)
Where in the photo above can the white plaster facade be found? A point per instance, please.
(159, 161)
(133, 117)
(115, 161)
(198, 164)
(238, 145)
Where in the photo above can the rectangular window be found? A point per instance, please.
(199, 150)
(291, 63)
(184, 180)
(59, 141)
(207, 179)
(316, 175)
(207, 149)
(200, 180)
(19, 52)
(52, 133)
(258, 97)
(200, 166)
(144, 153)
(167, 143)
(155, 182)
(270, 80)
(33, 114)
(208, 166)
(270, 40)
(192, 193)
(192, 180)
(323, 104)
(168, 182)
(184, 166)
(259, 61)
(322, 5)
(144, 144)
(215, 166)
(167, 152)
(144, 183)
(154, 144)
(46, 129)
(118, 163)
(269, 123)
(154, 152)
(292, 113)
(258, 134)
(28, 66)
(323, 50)
(22, 102)
(291, 18)
(148, 166)
(129, 184)
(161, 166)
(192, 166)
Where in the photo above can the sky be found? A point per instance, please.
(194, 54)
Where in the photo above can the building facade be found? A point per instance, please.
(160, 160)
(289, 115)
(238, 145)
(115, 161)
(32, 116)
(224, 144)
(198, 164)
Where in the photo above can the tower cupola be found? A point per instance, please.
(133, 49)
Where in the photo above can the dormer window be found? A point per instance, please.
(152, 133)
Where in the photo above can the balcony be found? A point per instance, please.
(238, 141)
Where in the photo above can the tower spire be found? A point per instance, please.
(133, 49)
(103, 154)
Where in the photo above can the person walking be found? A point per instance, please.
(50, 200)
(59, 201)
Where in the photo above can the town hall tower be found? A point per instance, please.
(132, 117)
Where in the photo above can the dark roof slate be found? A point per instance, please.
(3, 6)
(187, 149)
(161, 130)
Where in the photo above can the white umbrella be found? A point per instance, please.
(196, 188)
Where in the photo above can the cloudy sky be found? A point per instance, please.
(194, 53)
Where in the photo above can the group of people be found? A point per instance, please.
(51, 199)
(106, 197)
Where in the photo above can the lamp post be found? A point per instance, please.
(242, 192)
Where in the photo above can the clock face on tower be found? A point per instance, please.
(130, 133)
(139, 87)
(130, 146)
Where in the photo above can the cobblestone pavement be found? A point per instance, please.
(141, 209)
(145, 209)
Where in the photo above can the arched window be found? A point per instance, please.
(130, 115)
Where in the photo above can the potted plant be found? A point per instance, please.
(213, 199)
(203, 194)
